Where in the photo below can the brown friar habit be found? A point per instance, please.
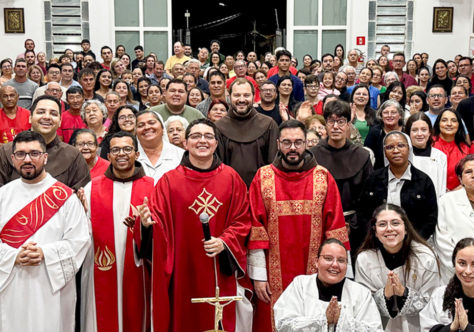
(350, 166)
(247, 142)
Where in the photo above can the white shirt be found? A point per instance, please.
(395, 186)
(170, 158)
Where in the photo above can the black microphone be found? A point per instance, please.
(204, 218)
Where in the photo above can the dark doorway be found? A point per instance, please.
(239, 25)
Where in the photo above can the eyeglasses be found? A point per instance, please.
(268, 90)
(331, 259)
(393, 223)
(34, 155)
(392, 147)
(126, 117)
(437, 95)
(85, 144)
(198, 136)
(288, 144)
(340, 122)
(313, 141)
(314, 87)
(126, 149)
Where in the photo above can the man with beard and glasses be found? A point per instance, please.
(295, 206)
(44, 237)
(65, 163)
(248, 138)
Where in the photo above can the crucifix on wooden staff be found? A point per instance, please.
(215, 301)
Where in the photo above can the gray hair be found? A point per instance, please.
(174, 118)
(396, 104)
(391, 73)
(99, 104)
(196, 61)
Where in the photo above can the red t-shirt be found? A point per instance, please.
(251, 80)
(9, 128)
(274, 70)
(69, 123)
(318, 108)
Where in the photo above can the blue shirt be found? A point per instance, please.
(374, 94)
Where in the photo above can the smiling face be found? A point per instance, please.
(149, 128)
(154, 95)
(390, 116)
(390, 230)
(241, 98)
(419, 134)
(441, 70)
(464, 266)
(126, 120)
(122, 162)
(448, 125)
(176, 96)
(85, 143)
(332, 264)
(201, 142)
(396, 94)
(105, 79)
(46, 119)
(458, 93)
(365, 76)
(217, 112)
(361, 97)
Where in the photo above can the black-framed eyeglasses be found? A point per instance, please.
(288, 144)
(34, 155)
(126, 149)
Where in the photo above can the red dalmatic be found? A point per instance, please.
(293, 213)
(105, 267)
(180, 197)
(34, 215)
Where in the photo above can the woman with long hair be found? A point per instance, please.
(363, 116)
(426, 157)
(412, 69)
(195, 96)
(103, 83)
(440, 76)
(36, 75)
(154, 95)
(424, 77)
(285, 99)
(398, 267)
(449, 137)
(418, 102)
(126, 96)
(396, 91)
(6, 66)
(143, 84)
(451, 307)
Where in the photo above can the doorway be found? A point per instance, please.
(243, 25)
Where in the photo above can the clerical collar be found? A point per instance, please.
(216, 162)
(426, 152)
(392, 261)
(327, 292)
(137, 174)
(309, 162)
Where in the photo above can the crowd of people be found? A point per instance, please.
(283, 194)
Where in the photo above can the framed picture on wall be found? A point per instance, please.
(443, 19)
(14, 20)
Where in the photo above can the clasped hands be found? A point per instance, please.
(460, 316)
(29, 255)
(393, 285)
(333, 311)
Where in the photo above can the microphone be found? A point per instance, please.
(204, 218)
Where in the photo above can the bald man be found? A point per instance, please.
(13, 118)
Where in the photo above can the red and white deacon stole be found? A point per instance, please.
(105, 267)
(34, 215)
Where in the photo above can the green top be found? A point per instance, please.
(362, 127)
(189, 112)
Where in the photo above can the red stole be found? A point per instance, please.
(105, 267)
(34, 215)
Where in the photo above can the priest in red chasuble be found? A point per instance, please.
(295, 206)
(202, 183)
(113, 277)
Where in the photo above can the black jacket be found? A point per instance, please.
(417, 197)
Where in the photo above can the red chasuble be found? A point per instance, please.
(34, 215)
(181, 195)
(292, 214)
(105, 267)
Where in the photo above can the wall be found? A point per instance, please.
(358, 18)
(12, 44)
(442, 45)
(101, 23)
